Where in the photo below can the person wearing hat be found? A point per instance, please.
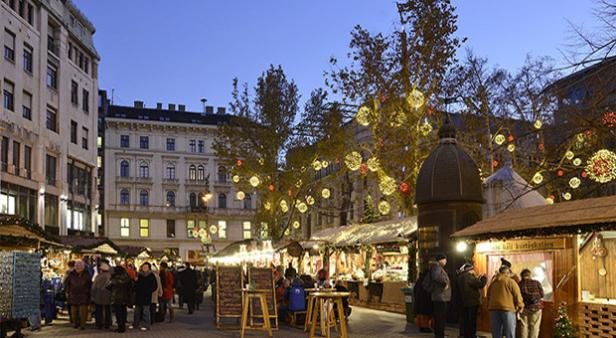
(470, 285)
(504, 301)
(439, 287)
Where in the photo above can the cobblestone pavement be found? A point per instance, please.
(363, 323)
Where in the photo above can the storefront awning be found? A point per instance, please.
(581, 216)
(372, 233)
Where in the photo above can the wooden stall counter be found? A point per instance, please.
(386, 296)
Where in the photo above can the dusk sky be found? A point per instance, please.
(182, 51)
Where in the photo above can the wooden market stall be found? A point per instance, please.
(570, 249)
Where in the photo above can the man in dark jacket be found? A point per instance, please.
(440, 293)
(78, 286)
(422, 304)
(120, 285)
(470, 285)
(145, 286)
(188, 279)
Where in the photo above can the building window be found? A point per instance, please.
(52, 120)
(124, 169)
(28, 161)
(85, 101)
(190, 224)
(9, 45)
(50, 170)
(247, 229)
(144, 198)
(4, 151)
(222, 174)
(144, 142)
(201, 146)
(31, 14)
(201, 173)
(7, 204)
(144, 170)
(192, 172)
(74, 93)
(201, 201)
(222, 229)
(74, 132)
(170, 144)
(170, 172)
(9, 95)
(192, 200)
(84, 138)
(170, 198)
(247, 202)
(170, 228)
(99, 141)
(124, 141)
(16, 156)
(27, 59)
(144, 227)
(26, 106)
(124, 227)
(222, 201)
(70, 51)
(124, 197)
(52, 76)
(192, 146)
(51, 210)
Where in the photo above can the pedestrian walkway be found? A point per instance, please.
(363, 323)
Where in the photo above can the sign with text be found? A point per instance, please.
(522, 245)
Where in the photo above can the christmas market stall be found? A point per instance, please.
(136, 254)
(91, 247)
(569, 247)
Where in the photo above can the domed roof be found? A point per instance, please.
(449, 174)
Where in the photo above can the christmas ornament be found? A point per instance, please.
(415, 99)
(267, 205)
(510, 138)
(384, 207)
(373, 164)
(538, 124)
(299, 183)
(317, 165)
(494, 163)
(601, 167)
(239, 163)
(550, 200)
(577, 161)
(569, 155)
(284, 207)
(270, 187)
(296, 224)
(567, 196)
(287, 232)
(426, 128)
(404, 187)
(261, 161)
(511, 147)
(240, 195)
(235, 179)
(387, 185)
(325, 164)
(213, 229)
(537, 178)
(202, 233)
(302, 207)
(363, 169)
(254, 181)
(560, 172)
(499, 139)
(353, 160)
(363, 116)
(574, 182)
(325, 193)
(310, 200)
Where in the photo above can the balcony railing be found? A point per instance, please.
(143, 179)
(171, 180)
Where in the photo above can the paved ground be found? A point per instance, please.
(363, 323)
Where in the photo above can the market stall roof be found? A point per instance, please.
(370, 233)
(135, 251)
(232, 248)
(101, 245)
(587, 215)
(16, 227)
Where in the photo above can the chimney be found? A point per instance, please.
(220, 110)
(209, 109)
(159, 106)
(172, 106)
(139, 104)
(181, 107)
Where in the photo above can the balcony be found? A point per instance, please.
(230, 212)
(143, 180)
(124, 179)
(171, 181)
(199, 183)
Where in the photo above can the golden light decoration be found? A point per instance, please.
(397, 119)
(575, 182)
(213, 229)
(261, 161)
(384, 207)
(353, 160)
(284, 207)
(374, 164)
(415, 99)
(202, 232)
(537, 178)
(240, 195)
(317, 165)
(326, 193)
(511, 147)
(267, 206)
(577, 161)
(499, 139)
(302, 207)
(287, 232)
(363, 116)
(426, 128)
(567, 196)
(235, 179)
(549, 200)
(538, 124)
(299, 183)
(387, 185)
(310, 200)
(296, 224)
(254, 181)
(601, 167)
(325, 164)
(569, 155)
(580, 137)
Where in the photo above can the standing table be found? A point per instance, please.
(247, 297)
(319, 299)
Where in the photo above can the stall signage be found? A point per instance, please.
(428, 237)
(522, 245)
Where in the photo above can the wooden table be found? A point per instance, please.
(247, 296)
(310, 303)
(319, 300)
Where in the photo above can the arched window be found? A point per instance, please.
(144, 170)
(247, 202)
(124, 197)
(222, 201)
(192, 199)
(144, 198)
(201, 173)
(170, 198)
(192, 172)
(222, 174)
(170, 171)
(124, 169)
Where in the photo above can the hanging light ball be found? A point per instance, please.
(240, 195)
(317, 165)
(267, 205)
(387, 185)
(235, 179)
(577, 161)
(363, 116)
(426, 128)
(575, 182)
(310, 200)
(325, 164)
(538, 124)
(415, 99)
(353, 160)
(601, 167)
(270, 187)
(202, 233)
(284, 207)
(569, 155)
(261, 161)
(499, 139)
(384, 207)
(550, 200)
(567, 196)
(373, 164)
(511, 147)
(213, 229)
(560, 172)
(195, 232)
(510, 138)
(326, 193)
(404, 187)
(287, 232)
(537, 178)
(239, 163)
(296, 225)
(254, 181)
(302, 207)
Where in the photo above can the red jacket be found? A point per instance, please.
(168, 284)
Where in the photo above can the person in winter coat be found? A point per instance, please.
(101, 296)
(188, 279)
(120, 286)
(422, 303)
(167, 281)
(78, 286)
(469, 286)
(504, 300)
(144, 287)
(440, 293)
(71, 267)
(155, 295)
(532, 293)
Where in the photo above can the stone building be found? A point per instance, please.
(162, 179)
(48, 120)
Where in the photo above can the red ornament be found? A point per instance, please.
(239, 163)
(560, 172)
(363, 169)
(541, 146)
(589, 133)
(510, 138)
(404, 187)
(609, 119)
(270, 187)
(584, 174)
(430, 111)
(383, 98)
(337, 161)
(494, 163)
(290, 193)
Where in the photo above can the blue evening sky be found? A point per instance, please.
(182, 51)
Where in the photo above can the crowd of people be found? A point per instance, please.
(511, 299)
(113, 289)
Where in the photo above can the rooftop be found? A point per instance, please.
(140, 112)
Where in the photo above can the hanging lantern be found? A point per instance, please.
(240, 195)
(310, 200)
(499, 139)
(575, 182)
(353, 160)
(511, 147)
(254, 181)
(296, 224)
(325, 193)
(537, 178)
(363, 116)
(235, 179)
(415, 99)
(384, 207)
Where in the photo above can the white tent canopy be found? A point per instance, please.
(505, 190)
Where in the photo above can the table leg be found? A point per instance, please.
(343, 327)
(313, 318)
(244, 315)
(308, 318)
(322, 315)
(266, 319)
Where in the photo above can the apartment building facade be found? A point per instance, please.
(48, 120)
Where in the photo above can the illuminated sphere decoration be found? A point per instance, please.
(363, 116)
(426, 128)
(284, 206)
(384, 207)
(374, 164)
(310, 200)
(387, 185)
(267, 205)
(363, 169)
(569, 155)
(538, 124)
(353, 160)
(317, 165)
(577, 161)
(195, 232)
(511, 147)
(326, 193)
(538, 178)
(236, 179)
(601, 167)
(567, 196)
(287, 232)
(302, 207)
(240, 195)
(499, 139)
(550, 200)
(254, 181)
(296, 224)
(404, 187)
(575, 182)
(415, 99)
(202, 232)
(213, 229)
(325, 164)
